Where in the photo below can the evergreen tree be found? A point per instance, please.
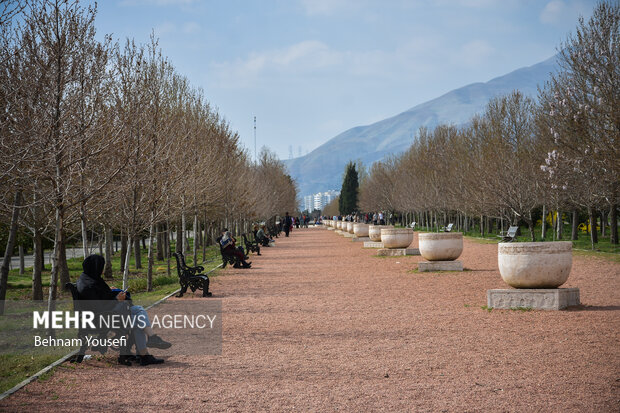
(348, 194)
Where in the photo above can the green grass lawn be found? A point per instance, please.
(582, 246)
(16, 368)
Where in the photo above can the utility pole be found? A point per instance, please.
(255, 155)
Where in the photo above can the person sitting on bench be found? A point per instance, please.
(91, 286)
(227, 241)
(261, 236)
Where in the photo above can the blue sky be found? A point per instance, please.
(310, 69)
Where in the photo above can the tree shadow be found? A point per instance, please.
(593, 308)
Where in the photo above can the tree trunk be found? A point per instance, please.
(168, 235)
(530, 225)
(84, 232)
(8, 252)
(107, 269)
(593, 231)
(42, 256)
(63, 268)
(560, 232)
(137, 252)
(59, 261)
(603, 223)
(149, 271)
(126, 271)
(204, 239)
(544, 223)
(37, 253)
(22, 266)
(574, 227)
(183, 238)
(613, 224)
(179, 234)
(123, 251)
(482, 226)
(196, 237)
(100, 244)
(160, 242)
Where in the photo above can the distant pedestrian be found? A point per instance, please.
(287, 224)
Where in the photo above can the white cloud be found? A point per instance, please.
(304, 57)
(553, 11)
(165, 28)
(191, 27)
(329, 7)
(560, 12)
(474, 53)
(157, 2)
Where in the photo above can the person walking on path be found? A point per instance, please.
(288, 223)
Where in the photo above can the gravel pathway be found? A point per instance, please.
(320, 324)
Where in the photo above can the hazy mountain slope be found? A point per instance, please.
(322, 168)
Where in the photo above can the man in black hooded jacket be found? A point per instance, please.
(91, 286)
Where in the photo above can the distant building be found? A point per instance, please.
(319, 200)
(308, 203)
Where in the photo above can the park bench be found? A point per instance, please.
(118, 331)
(251, 244)
(447, 228)
(191, 277)
(510, 235)
(227, 257)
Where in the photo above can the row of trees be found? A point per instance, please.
(561, 153)
(109, 139)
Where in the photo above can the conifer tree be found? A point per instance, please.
(348, 194)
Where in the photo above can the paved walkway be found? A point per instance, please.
(320, 324)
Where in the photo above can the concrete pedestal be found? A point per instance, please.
(538, 299)
(348, 235)
(360, 239)
(392, 252)
(330, 229)
(430, 266)
(373, 244)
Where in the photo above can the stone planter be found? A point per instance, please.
(360, 230)
(374, 232)
(339, 224)
(396, 237)
(334, 224)
(441, 246)
(350, 226)
(535, 264)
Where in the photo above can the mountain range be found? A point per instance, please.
(322, 169)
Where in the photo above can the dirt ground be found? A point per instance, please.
(320, 324)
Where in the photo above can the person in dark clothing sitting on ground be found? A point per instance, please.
(227, 241)
(91, 286)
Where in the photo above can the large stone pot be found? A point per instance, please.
(396, 237)
(374, 232)
(334, 224)
(350, 227)
(535, 264)
(339, 224)
(441, 246)
(360, 230)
